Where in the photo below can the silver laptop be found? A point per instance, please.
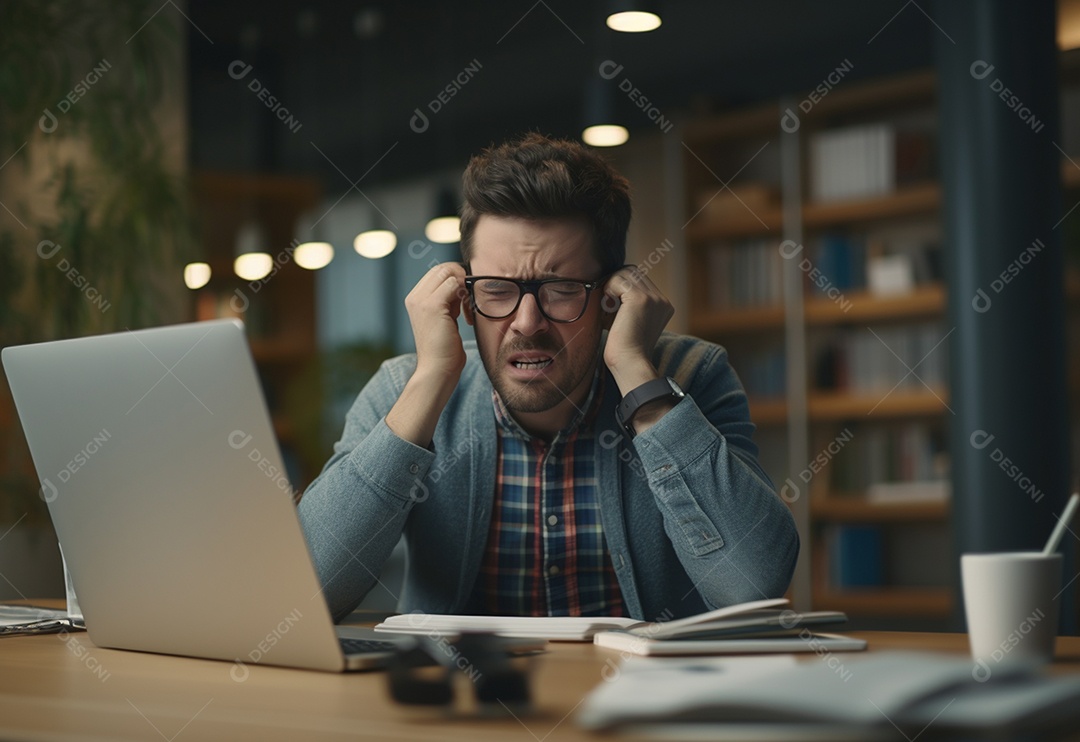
(167, 490)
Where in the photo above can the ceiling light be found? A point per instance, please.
(375, 243)
(633, 21)
(633, 16)
(196, 275)
(313, 255)
(445, 226)
(253, 266)
(605, 135)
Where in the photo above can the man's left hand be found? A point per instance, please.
(641, 313)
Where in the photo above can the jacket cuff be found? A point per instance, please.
(393, 466)
(676, 439)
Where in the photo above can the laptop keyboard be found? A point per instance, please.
(365, 646)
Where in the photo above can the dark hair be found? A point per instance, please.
(536, 177)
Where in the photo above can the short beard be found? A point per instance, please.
(542, 395)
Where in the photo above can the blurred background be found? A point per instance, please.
(870, 204)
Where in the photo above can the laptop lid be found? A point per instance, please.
(167, 491)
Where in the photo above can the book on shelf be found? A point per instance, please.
(905, 461)
(856, 556)
(763, 372)
(852, 162)
(896, 357)
(747, 273)
(897, 493)
(889, 262)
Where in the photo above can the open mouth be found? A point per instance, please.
(532, 363)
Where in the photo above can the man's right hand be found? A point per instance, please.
(433, 306)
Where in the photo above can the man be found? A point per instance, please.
(551, 468)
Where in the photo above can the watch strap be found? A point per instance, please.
(639, 396)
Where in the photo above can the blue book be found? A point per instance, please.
(857, 556)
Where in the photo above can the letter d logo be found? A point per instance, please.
(981, 303)
(789, 492)
(610, 69)
(239, 302)
(419, 122)
(49, 493)
(238, 70)
(419, 493)
(46, 249)
(47, 123)
(238, 439)
(980, 439)
(789, 249)
(789, 122)
(980, 69)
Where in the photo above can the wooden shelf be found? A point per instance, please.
(859, 510)
(742, 319)
(835, 406)
(1070, 172)
(758, 223)
(763, 120)
(901, 91)
(281, 351)
(924, 301)
(768, 411)
(909, 201)
(892, 602)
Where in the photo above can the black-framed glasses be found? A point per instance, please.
(559, 299)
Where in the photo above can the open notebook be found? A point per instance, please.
(755, 616)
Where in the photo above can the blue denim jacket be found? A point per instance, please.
(691, 520)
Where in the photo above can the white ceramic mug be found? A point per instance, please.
(1010, 600)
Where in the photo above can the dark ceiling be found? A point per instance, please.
(346, 78)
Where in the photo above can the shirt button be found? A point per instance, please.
(413, 468)
(552, 520)
(553, 569)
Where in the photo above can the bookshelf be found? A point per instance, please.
(731, 229)
(279, 311)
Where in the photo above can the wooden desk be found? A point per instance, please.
(56, 687)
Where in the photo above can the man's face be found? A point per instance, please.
(536, 365)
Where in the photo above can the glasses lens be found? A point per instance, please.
(562, 300)
(495, 298)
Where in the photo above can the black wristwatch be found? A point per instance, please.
(650, 391)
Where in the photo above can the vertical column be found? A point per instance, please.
(997, 63)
